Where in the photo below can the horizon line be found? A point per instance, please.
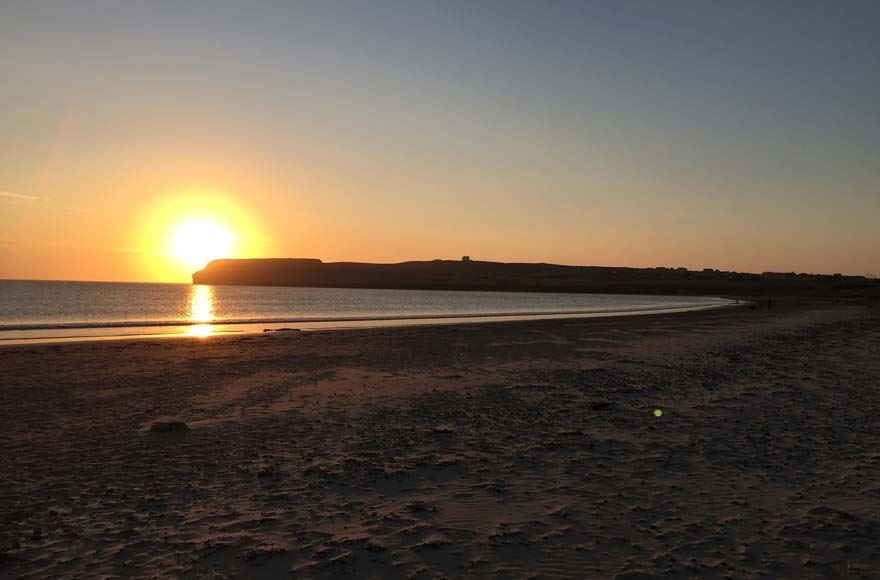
(866, 276)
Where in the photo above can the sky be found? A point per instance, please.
(734, 135)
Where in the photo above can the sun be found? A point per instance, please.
(195, 242)
(184, 230)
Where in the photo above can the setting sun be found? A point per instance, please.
(196, 242)
(182, 231)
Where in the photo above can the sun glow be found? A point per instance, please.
(183, 232)
(196, 242)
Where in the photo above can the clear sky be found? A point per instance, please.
(736, 135)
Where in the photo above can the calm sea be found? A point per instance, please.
(40, 310)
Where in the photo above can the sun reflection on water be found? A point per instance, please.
(201, 311)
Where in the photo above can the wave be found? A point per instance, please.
(345, 318)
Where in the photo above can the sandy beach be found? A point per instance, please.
(508, 450)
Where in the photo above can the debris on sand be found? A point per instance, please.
(168, 425)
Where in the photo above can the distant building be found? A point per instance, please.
(465, 258)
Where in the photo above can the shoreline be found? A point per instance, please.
(205, 329)
(469, 450)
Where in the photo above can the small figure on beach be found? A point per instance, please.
(769, 302)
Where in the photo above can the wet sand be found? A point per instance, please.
(523, 449)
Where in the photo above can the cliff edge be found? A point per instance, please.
(468, 274)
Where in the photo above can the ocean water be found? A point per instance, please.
(42, 310)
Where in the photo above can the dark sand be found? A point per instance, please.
(500, 450)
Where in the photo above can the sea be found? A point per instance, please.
(51, 311)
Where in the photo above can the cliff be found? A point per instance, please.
(522, 277)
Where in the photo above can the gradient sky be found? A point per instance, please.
(736, 135)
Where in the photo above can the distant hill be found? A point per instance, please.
(523, 277)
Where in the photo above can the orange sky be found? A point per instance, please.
(127, 237)
(576, 135)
